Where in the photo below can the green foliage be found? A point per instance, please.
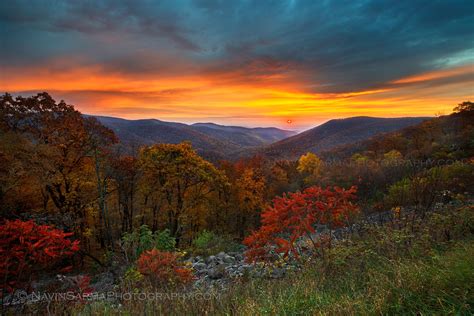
(426, 187)
(138, 241)
(208, 243)
(132, 276)
(392, 157)
(399, 193)
(164, 241)
(457, 177)
(203, 239)
(359, 158)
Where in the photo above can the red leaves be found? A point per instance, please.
(163, 268)
(26, 247)
(294, 215)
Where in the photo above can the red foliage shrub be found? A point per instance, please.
(163, 268)
(26, 248)
(294, 215)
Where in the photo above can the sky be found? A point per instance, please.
(290, 64)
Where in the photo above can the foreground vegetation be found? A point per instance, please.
(404, 267)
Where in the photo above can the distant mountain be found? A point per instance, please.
(335, 133)
(445, 137)
(135, 133)
(211, 140)
(215, 142)
(247, 137)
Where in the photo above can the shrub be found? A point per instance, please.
(294, 216)
(208, 243)
(164, 240)
(132, 276)
(27, 248)
(138, 241)
(162, 268)
(426, 188)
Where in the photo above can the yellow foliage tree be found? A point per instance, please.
(183, 179)
(311, 166)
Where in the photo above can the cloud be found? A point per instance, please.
(231, 53)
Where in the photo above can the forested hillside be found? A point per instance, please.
(335, 133)
(211, 141)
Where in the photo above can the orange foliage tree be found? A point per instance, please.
(59, 153)
(243, 200)
(163, 268)
(294, 216)
(27, 248)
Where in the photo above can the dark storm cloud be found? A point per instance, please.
(340, 45)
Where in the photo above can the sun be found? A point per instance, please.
(289, 121)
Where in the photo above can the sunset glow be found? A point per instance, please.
(258, 87)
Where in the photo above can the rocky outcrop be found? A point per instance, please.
(223, 268)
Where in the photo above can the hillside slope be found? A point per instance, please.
(248, 137)
(210, 140)
(135, 133)
(445, 137)
(335, 133)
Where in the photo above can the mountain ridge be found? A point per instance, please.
(215, 142)
(334, 133)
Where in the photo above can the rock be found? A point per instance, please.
(199, 266)
(228, 259)
(211, 259)
(18, 297)
(104, 282)
(217, 272)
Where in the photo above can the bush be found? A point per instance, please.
(208, 243)
(132, 276)
(294, 216)
(426, 188)
(27, 248)
(138, 241)
(162, 268)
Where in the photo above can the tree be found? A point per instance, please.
(182, 178)
(18, 187)
(99, 139)
(64, 153)
(250, 191)
(282, 177)
(124, 172)
(310, 165)
(242, 201)
(464, 107)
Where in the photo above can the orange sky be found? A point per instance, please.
(235, 98)
(249, 63)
